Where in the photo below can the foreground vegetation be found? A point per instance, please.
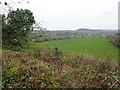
(93, 46)
(51, 68)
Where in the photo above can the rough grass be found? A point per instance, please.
(51, 68)
(98, 47)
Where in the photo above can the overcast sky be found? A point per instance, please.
(74, 14)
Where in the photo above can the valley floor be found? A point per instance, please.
(92, 46)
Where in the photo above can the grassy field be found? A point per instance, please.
(98, 47)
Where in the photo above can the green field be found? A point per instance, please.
(98, 47)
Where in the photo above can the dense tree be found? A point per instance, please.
(16, 29)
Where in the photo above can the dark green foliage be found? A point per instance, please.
(16, 29)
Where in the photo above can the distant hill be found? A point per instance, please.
(95, 30)
(86, 31)
(80, 31)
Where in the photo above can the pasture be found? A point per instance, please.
(97, 47)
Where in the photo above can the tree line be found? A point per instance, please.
(115, 39)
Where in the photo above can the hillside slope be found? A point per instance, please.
(50, 68)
